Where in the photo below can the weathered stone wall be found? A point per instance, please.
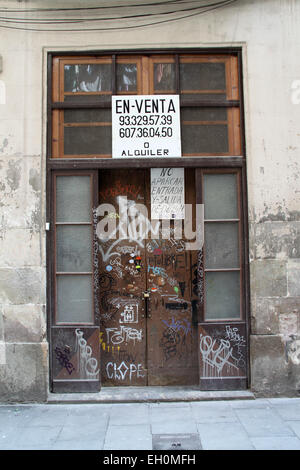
(275, 284)
(23, 365)
(268, 31)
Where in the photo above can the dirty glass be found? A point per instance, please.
(220, 196)
(197, 138)
(87, 115)
(73, 199)
(164, 77)
(189, 98)
(221, 245)
(202, 76)
(222, 295)
(203, 114)
(74, 248)
(89, 140)
(87, 78)
(126, 77)
(74, 299)
(88, 99)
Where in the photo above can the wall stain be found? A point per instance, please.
(35, 180)
(13, 174)
(282, 215)
(4, 145)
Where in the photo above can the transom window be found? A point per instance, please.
(83, 87)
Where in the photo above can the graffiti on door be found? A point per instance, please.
(222, 353)
(76, 353)
(138, 255)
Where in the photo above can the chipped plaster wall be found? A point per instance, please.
(268, 31)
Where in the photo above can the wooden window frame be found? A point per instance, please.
(94, 185)
(242, 237)
(145, 68)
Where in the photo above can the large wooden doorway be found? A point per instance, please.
(148, 336)
(165, 315)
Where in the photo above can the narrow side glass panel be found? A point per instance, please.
(74, 248)
(222, 295)
(73, 199)
(74, 301)
(220, 196)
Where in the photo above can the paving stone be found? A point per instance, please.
(137, 437)
(224, 436)
(167, 413)
(263, 423)
(79, 415)
(77, 445)
(288, 411)
(37, 436)
(129, 414)
(221, 425)
(276, 443)
(213, 412)
(175, 427)
(83, 433)
(168, 420)
(258, 403)
(48, 417)
(295, 426)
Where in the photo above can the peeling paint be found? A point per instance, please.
(276, 240)
(281, 215)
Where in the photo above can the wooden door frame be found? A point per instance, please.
(229, 162)
(62, 167)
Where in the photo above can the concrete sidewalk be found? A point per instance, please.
(260, 424)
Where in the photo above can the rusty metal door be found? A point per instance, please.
(148, 328)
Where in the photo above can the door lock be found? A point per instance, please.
(146, 294)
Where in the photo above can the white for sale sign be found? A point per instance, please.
(146, 126)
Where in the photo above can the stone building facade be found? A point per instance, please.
(267, 36)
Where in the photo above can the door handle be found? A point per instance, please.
(146, 295)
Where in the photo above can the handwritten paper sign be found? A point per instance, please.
(167, 193)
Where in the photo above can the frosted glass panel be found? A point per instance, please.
(220, 196)
(74, 299)
(73, 199)
(74, 248)
(222, 295)
(221, 245)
